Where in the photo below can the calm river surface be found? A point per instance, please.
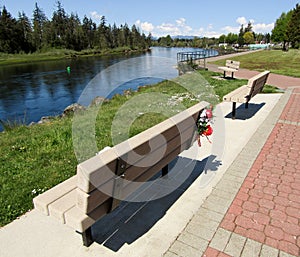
(31, 91)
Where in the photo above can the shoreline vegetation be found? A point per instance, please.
(61, 54)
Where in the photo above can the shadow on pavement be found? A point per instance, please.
(131, 220)
(243, 114)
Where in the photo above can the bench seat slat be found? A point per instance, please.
(88, 202)
(42, 201)
(77, 220)
(237, 95)
(80, 221)
(227, 69)
(58, 208)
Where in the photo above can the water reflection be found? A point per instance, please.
(46, 88)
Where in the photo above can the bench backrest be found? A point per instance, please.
(136, 159)
(232, 64)
(256, 83)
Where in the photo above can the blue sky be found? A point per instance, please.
(169, 17)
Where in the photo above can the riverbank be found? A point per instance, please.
(38, 157)
(59, 54)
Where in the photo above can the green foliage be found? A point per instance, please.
(248, 37)
(279, 32)
(287, 28)
(64, 31)
(293, 27)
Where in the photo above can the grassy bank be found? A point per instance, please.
(34, 159)
(58, 54)
(276, 61)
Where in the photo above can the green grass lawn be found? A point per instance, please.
(34, 159)
(276, 61)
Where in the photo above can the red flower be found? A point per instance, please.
(208, 131)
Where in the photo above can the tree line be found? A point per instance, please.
(286, 31)
(64, 31)
(287, 28)
(246, 36)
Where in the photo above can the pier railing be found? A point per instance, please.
(195, 58)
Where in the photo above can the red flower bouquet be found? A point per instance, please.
(203, 126)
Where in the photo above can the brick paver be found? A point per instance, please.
(267, 206)
(257, 203)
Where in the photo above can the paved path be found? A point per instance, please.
(255, 208)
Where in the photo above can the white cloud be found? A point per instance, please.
(95, 15)
(257, 28)
(180, 22)
(210, 26)
(230, 29)
(145, 26)
(263, 28)
(180, 27)
(242, 20)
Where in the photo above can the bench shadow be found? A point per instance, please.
(243, 114)
(131, 220)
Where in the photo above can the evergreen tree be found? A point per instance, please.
(24, 26)
(58, 27)
(241, 36)
(74, 33)
(39, 20)
(293, 27)
(64, 31)
(102, 34)
(9, 33)
(248, 28)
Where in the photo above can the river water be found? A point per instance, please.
(31, 91)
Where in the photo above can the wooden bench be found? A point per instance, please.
(230, 66)
(104, 179)
(244, 93)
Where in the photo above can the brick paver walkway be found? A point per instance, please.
(255, 208)
(267, 206)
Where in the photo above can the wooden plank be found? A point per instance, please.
(238, 95)
(42, 201)
(78, 220)
(87, 202)
(259, 83)
(58, 208)
(233, 64)
(95, 169)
